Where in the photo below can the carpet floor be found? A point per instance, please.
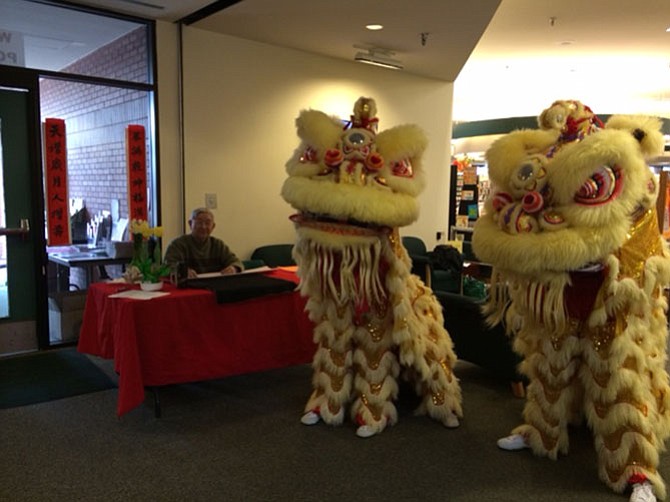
(46, 376)
(239, 439)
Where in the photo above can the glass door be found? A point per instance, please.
(22, 274)
(97, 73)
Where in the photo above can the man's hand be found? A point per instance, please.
(230, 269)
(192, 274)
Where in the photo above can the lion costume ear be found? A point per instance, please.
(646, 130)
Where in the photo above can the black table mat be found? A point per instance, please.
(241, 287)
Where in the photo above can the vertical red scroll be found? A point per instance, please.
(58, 211)
(136, 158)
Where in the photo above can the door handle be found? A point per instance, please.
(23, 230)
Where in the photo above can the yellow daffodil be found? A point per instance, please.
(147, 251)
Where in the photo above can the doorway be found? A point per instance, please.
(23, 304)
(96, 74)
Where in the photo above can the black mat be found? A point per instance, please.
(45, 376)
(236, 288)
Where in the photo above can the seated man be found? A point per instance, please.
(201, 252)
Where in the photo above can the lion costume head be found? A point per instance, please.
(594, 182)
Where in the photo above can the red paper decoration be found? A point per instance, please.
(58, 212)
(136, 155)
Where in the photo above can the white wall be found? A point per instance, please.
(169, 146)
(241, 99)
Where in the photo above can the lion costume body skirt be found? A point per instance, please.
(603, 359)
(371, 316)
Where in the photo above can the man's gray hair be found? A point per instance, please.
(200, 210)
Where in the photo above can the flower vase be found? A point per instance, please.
(151, 286)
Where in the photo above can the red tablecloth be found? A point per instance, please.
(187, 337)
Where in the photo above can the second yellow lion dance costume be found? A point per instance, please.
(579, 275)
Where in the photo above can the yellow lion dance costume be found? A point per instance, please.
(579, 281)
(353, 188)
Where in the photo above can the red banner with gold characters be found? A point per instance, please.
(58, 211)
(136, 158)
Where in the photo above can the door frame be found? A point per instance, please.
(22, 78)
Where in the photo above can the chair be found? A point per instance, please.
(476, 342)
(250, 264)
(437, 280)
(275, 255)
(419, 255)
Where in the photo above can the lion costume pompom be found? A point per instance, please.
(580, 287)
(353, 188)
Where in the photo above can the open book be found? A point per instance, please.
(249, 271)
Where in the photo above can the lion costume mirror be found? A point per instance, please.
(579, 273)
(374, 321)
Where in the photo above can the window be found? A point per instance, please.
(48, 37)
(95, 73)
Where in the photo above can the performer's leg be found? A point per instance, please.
(375, 378)
(332, 378)
(426, 348)
(627, 396)
(554, 394)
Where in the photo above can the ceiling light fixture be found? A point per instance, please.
(374, 27)
(378, 57)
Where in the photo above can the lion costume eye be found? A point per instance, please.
(603, 185)
(530, 175)
(357, 138)
(525, 172)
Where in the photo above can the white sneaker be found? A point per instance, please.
(451, 421)
(513, 442)
(642, 492)
(310, 418)
(365, 431)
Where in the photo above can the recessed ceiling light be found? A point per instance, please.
(668, 28)
(374, 27)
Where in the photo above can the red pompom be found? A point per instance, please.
(334, 157)
(500, 200)
(532, 202)
(374, 161)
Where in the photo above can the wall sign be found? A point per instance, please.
(11, 48)
(58, 212)
(136, 158)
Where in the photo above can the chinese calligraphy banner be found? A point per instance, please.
(136, 155)
(58, 212)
